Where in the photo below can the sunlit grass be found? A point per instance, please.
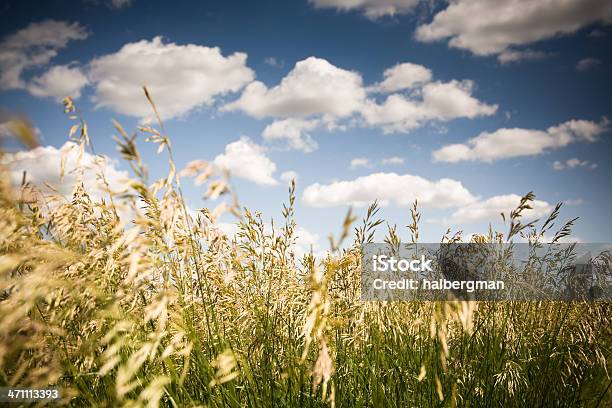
(135, 300)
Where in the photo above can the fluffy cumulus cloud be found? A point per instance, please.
(179, 77)
(317, 95)
(42, 166)
(438, 101)
(493, 27)
(314, 95)
(389, 188)
(491, 208)
(372, 9)
(246, 159)
(403, 76)
(515, 142)
(293, 133)
(58, 82)
(34, 47)
(314, 86)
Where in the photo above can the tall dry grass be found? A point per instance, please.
(133, 300)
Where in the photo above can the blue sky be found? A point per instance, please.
(311, 86)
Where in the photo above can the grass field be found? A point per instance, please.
(135, 300)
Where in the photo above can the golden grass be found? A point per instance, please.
(159, 308)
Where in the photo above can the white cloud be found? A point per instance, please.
(568, 239)
(317, 94)
(58, 82)
(587, 64)
(507, 143)
(510, 56)
(314, 86)
(440, 101)
(388, 188)
(34, 47)
(491, 208)
(43, 166)
(492, 27)
(395, 160)
(246, 159)
(403, 76)
(372, 9)
(449, 100)
(289, 175)
(293, 132)
(577, 201)
(179, 77)
(305, 242)
(230, 229)
(572, 164)
(360, 162)
(313, 94)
